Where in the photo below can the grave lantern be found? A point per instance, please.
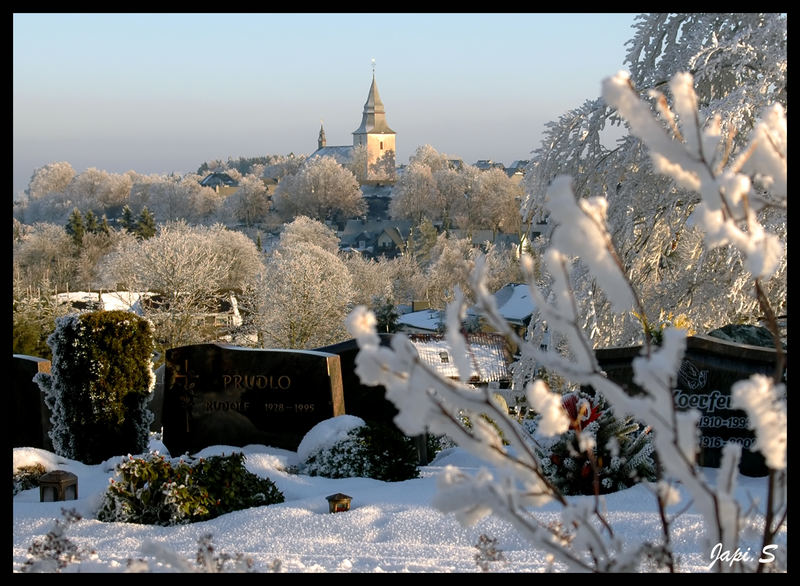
(58, 485)
(338, 503)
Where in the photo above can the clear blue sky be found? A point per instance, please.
(158, 93)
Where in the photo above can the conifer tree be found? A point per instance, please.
(104, 228)
(75, 227)
(146, 225)
(126, 221)
(90, 222)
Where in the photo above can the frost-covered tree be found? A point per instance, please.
(249, 204)
(430, 187)
(303, 298)
(279, 166)
(94, 247)
(239, 254)
(373, 279)
(304, 230)
(44, 253)
(738, 61)
(452, 264)
(357, 164)
(414, 194)
(322, 189)
(188, 268)
(498, 202)
(52, 178)
(451, 185)
(731, 193)
(177, 198)
(384, 167)
(430, 157)
(98, 190)
(34, 312)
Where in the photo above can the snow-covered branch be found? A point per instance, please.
(429, 402)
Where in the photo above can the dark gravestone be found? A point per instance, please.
(364, 401)
(710, 367)
(216, 394)
(30, 416)
(370, 402)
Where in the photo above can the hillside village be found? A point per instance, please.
(374, 234)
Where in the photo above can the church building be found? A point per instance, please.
(375, 136)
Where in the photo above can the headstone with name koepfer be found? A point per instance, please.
(709, 368)
(218, 394)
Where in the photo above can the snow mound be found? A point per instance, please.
(326, 433)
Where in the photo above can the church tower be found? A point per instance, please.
(379, 140)
(321, 142)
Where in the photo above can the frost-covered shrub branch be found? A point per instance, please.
(429, 402)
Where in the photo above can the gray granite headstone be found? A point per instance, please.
(30, 416)
(217, 394)
(709, 368)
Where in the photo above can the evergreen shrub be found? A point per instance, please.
(373, 450)
(154, 490)
(99, 385)
(622, 451)
(26, 477)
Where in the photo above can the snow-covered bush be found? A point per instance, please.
(154, 490)
(732, 188)
(354, 448)
(26, 477)
(99, 385)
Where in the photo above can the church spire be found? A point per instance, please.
(373, 120)
(321, 142)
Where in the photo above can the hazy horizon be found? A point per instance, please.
(161, 93)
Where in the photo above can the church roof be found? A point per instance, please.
(373, 120)
(342, 154)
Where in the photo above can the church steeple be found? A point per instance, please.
(373, 120)
(321, 141)
(375, 135)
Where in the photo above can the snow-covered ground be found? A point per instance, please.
(391, 527)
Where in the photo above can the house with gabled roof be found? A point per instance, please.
(375, 238)
(220, 182)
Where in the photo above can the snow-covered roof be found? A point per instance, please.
(341, 154)
(426, 320)
(353, 229)
(488, 357)
(218, 178)
(115, 300)
(514, 303)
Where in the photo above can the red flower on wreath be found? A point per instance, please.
(580, 411)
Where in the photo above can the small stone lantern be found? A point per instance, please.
(338, 503)
(58, 485)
